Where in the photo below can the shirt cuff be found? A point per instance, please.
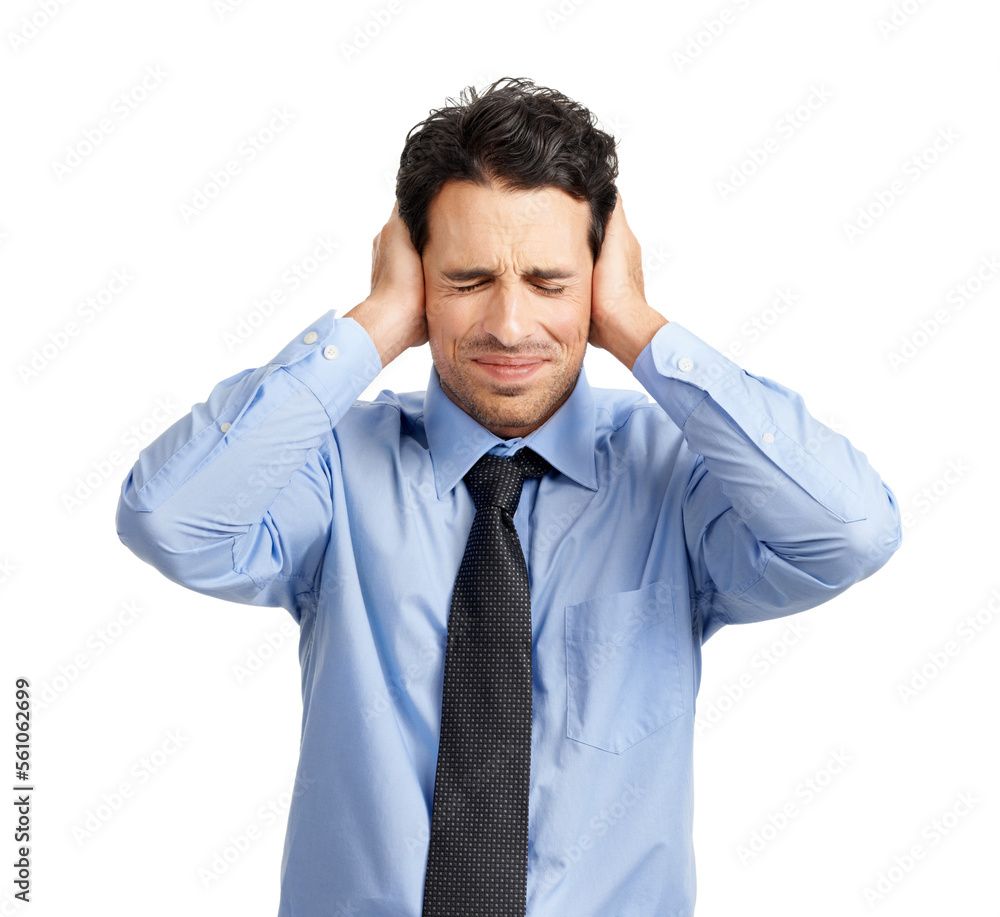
(677, 354)
(335, 358)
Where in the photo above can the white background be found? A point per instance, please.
(119, 684)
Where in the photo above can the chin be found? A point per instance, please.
(517, 411)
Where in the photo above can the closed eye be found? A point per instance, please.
(548, 290)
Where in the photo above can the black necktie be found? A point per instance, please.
(478, 859)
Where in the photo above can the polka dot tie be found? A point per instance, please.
(477, 864)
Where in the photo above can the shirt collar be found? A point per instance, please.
(456, 441)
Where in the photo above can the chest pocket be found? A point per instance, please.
(623, 667)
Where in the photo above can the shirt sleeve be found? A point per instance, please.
(781, 513)
(234, 499)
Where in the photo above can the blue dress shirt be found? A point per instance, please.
(723, 502)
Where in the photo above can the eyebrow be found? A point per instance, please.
(463, 275)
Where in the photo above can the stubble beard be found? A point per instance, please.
(518, 405)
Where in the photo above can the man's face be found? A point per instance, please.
(506, 351)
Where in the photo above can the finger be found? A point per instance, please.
(617, 216)
(620, 210)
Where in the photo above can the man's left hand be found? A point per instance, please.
(621, 321)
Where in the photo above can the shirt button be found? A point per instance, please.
(330, 352)
(310, 338)
(685, 364)
(768, 438)
(225, 427)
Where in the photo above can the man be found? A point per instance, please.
(427, 784)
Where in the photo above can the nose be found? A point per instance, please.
(506, 316)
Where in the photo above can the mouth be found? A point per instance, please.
(509, 369)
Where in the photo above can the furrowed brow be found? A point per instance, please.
(464, 275)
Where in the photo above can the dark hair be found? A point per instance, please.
(516, 135)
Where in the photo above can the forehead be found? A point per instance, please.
(470, 220)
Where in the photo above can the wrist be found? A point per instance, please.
(372, 317)
(633, 337)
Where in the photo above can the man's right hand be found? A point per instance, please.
(393, 314)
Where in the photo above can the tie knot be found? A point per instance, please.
(496, 481)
